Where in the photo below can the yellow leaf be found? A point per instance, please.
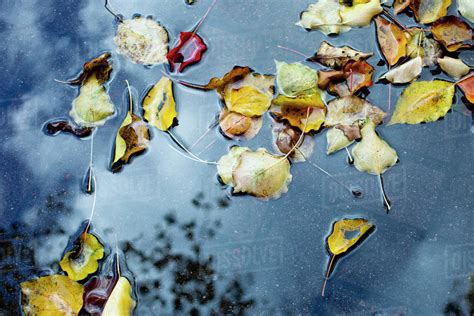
(227, 163)
(428, 11)
(92, 106)
(372, 154)
(406, 72)
(159, 105)
(424, 101)
(120, 302)
(84, 258)
(352, 110)
(336, 140)
(295, 111)
(360, 14)
(247, 100)
(54, 295)
(392, 40)
(325, 16)
(338, 241)
(454, 67)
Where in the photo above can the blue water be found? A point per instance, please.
(169, 214)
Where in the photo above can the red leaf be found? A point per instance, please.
(187, 52)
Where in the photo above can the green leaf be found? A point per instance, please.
(296, 79)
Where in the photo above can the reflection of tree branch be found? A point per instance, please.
(455, 306)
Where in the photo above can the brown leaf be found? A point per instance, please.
(352, 132)
(337, 57)
(235, 124)
(391, 40)
(428, 11)
(452, 32)
(467, 86)
(325, 77)
(99, 65)
(357, 76)
(400, 5)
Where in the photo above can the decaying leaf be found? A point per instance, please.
(419, 45)
(406, 72)
(142, 40)
(51, 295)
(452, 32)
(99, 66)
(83, 258)
(286, 137)
(372, 154)
(352, 110)
(454, 67)
(296, 79)
(428, 11)
(467, 86)
(400, 5)
(132, 138)
(356, 74)
(333, 17)
(391, 40)
(295, 111)
(423, 101)
(345, 235)
(235, 124)
(159, 105)
(336, 140)
(188, 51)
(258, 173)
(337, 57)
(466, 8)
(55, 127)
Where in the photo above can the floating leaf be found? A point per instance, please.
(357, 75)
(352, 110)
(400, 5)
(372, 154)
(57, 126)
(295, 111)
(99, 66)
(337, 57)
(159, 105)
(454, 67)
(188, 51)
(234, 124)
(418, 45)
(286, 137)
(345, 235)
(142, 40)
(84, 258)
(466, 8)
(120, 301)
(336, 140)
(428, 11)
(406, 72)
(391, 40)
(452, 32)
(296, 79)
(257, 173)
(51, 295)
(467, 86)
(360, 13)
(424, 101)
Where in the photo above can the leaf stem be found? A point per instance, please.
(294, 51)
(386, 200)
(204, 17)
(108, 7)
(327, 274)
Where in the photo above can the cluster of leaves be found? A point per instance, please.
(81, 287)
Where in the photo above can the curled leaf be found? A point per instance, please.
(419, 45)
(336, 140)
(188, 51)
(360, 13)
(391, 40)
(428, 11)
(296, 79)
(227, 164)
(120, 301)
(51, 295)
(295, 111)
(99, 66)
(406, 72)
(159, 105)
(454, 67)
(452, 32)
(372, 154)
(84, 258)
(234, 124)
(357, 75)
(337, 57)
(142, 40)
(467, 86)
(424, 101)
(352, 110)
(285, 138)
(58, 126)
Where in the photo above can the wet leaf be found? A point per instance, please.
(337, 57)
(286, 137)
(345, 235)
(132, 138)
(93, 106)
(56, 127)
(357, 75)
(428, 11)
(400, 5)
(120, 301)
(51, 295)
(159, 105)
(467, 86)
(452, 32)
(188, 51)
(406, 72)
(83, 258)
(352, 110)
(142, 40)
(296, 79)
(258, 173)
(99, 66)
(454, 67)
(295, 111)
(372, 154)
(336, 140)
(391, 40)
(424, 101)
(466, 8)
(360, 13)
(418, 45)
(234, 124)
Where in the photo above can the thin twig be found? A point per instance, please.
(108, 7)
